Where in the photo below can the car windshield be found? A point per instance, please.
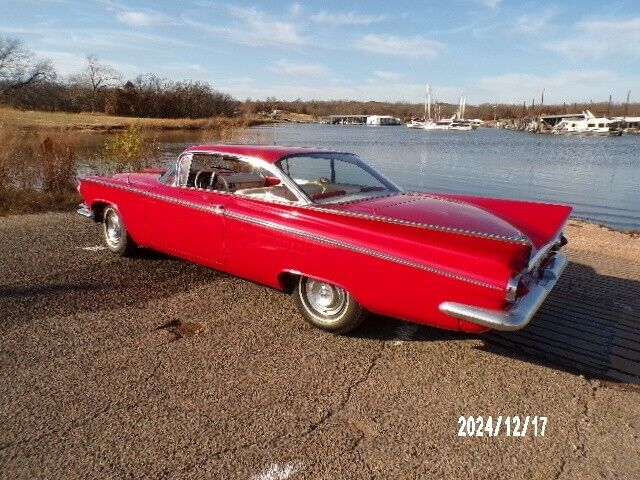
(335, 177)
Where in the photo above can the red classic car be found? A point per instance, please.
(339, 236)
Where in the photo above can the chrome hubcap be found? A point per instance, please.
(113, 229)
(325, 298)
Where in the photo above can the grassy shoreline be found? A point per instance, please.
(100, 122)
(40, 151)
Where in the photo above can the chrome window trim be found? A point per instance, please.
(256, 162)
(215, 209)
(310, 201)
(306, 202)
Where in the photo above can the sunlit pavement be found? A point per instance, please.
(91, 387)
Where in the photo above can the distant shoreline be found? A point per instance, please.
(102, 123)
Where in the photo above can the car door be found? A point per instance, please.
(187, 222)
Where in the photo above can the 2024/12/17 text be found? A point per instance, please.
(508, 426)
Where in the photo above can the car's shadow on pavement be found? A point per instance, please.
(589, 325)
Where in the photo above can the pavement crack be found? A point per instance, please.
(561, 470)
(61, 431)
(232, 450)
(331, 413)
(583, 419)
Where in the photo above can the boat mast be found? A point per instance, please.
(427, 104)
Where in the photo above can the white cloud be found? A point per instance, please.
(286, 67)
(296, 9)
(252, 27)
(533, 24)
(67, 63)
(94, 39)
(183, 68)
(490, 3)
(416, 47)
(259, 30)
(346, 18)
(382, 75)
(364, 91)
(139, 19)
(569, 86)
(597, 39)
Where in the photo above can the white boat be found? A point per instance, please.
(379, 120)
(427, 113)
(431, 124)
(416, 124)
(461, 125)
(591, 125)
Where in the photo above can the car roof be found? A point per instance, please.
(268, 153)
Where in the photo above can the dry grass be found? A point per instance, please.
(37, 171)
(100, 122)
(14, 202)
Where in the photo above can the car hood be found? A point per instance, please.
(437, 212)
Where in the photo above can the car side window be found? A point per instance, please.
(230, 174)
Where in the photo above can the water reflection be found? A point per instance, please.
(599, 176)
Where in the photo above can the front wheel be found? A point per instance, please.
(116, 236)
(327, 306)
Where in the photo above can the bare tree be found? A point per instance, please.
(96, 77)
(19, 68)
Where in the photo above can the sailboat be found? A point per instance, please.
(429, 124)
(427, 105)
(458, 122)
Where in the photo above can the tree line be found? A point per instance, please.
(31, 83)
(404, 110)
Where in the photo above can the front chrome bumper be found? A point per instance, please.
(520, 313)
(84, 211)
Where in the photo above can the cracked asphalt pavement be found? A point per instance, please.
(91, 387)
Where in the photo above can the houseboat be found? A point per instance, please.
(590, 125)
(379, 120)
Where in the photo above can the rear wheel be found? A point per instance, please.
(116, 236)
(328, 306)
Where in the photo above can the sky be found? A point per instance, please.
(488, 50)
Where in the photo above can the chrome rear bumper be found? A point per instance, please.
(84, 211)
(521, 313)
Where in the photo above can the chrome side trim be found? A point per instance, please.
(185, 203)
(215, 209)
(521, 313)
(520, 239)
(84, 211)
(357, 249)
(303, 201)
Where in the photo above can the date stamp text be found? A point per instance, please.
(506, 426)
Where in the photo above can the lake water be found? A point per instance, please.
(599, 176)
